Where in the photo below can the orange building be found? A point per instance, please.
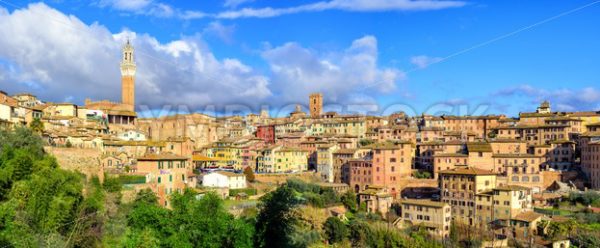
(165, 173)
(316, 105)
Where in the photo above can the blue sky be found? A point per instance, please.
(453, 56)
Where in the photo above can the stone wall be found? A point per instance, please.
(86, 161)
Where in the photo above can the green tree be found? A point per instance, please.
(249, 174)
(276, 219)
(37, 125)
(141, 238)
(349, 201)
(205, 221)
(360, 232)
(335, 230)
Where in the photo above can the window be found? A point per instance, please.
(170, 178)
(158, 179)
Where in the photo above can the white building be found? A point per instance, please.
(222, 179)
(132, 135)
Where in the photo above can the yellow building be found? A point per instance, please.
(225, 154)
(280, 159)
(289, 159)
(435, 217)
(60, 109)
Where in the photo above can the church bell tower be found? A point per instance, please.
(128, 77)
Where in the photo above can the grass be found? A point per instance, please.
(233, 203)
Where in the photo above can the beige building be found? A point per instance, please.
(435, 217)
(459, 188)
(203, 129)
(376, 200)
(497, 207)
(325, 161)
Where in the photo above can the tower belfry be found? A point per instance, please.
(128, 69)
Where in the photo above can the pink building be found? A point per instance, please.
(266, 133)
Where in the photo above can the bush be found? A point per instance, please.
(335, 230)
(349, 201)
(248, 191)
(422, 174)
(585, 198)
(112, 185)
(365, 142)
(249, 174)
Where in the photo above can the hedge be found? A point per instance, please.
(131, 179)
(248, 191)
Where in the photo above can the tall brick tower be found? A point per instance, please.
(316, 105)
(128, 77)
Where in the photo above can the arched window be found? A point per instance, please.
(525, 179)
(515, 178)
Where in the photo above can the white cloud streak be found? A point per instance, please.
(423, 61)
(235, 3)
(345, 5)
(159, 9)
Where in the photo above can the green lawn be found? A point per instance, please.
(233, 203)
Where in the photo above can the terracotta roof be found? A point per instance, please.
(597, 124)
(345, 151)
(546, 196)
(514, 155)
(479, 147)
(501, 140)
(528, 216)
(427, 203)
(562, 118)
(229, 174)
(162, 156)
(511, 188)
(199, 157)
(388, 145)
(450, 155)
(467, 171)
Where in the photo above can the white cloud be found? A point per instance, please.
(346, 5)
(61, 56)
(55, 56)
(423, 61)
(298, 71)
(235, 3)
(561, 99)
(163, 10)
(223, 32)
(147, 7)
